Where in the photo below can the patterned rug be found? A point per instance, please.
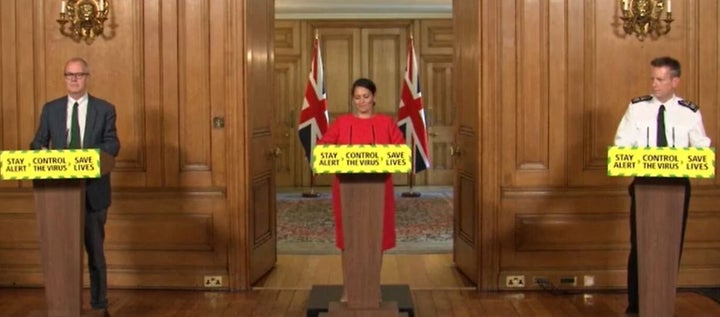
(423, 224)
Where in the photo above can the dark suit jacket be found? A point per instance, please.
(100, 132)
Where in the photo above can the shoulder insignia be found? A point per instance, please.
(689, 104)
(641, 98)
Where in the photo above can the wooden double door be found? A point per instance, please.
(371, 49)
(378, 50)
(204, 143)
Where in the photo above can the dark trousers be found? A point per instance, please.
(632, 270)
(94, 240)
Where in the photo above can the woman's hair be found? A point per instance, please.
(365, 83)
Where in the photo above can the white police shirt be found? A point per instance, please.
(683, 123)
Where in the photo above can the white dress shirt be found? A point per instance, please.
(683, 125)
(82, 116)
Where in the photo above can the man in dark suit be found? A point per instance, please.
(80, 120)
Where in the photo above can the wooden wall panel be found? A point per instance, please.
(542, 87)
(119, 86)
(170, 98)
(288, 95)
(466, 241)
(440, 115)
(468, 73)
(194, 106)
(164, 64)
(262, 151)
(436, 37)
(152, 101)
(568, 73)
(288, 98)
(341, 52)
(8, 66)
(287, 40)
(383, 60)
(534, 118)
(16, 79)
(614, 68)
(19, 247)
(704, 17)
(434, 51)
(20, 231)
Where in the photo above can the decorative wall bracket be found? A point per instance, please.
(644, 17)
(83, 20)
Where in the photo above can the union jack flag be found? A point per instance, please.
(411, 116)
(314, 115)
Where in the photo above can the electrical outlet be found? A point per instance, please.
(568, 280)
(515, 281)
(213, 281)
(589, 280)
(541, 280)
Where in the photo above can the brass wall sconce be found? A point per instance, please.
(644, 17)
(86, 18)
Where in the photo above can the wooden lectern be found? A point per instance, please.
(60, 207)
(362, 171)
(659, 217)
(659, 206)
(362, 205)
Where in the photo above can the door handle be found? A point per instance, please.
(455, 151)
(275, 152)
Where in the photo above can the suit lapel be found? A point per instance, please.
(60, 127)
(90, 121)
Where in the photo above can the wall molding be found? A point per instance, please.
(368, 9)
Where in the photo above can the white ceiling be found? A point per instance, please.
(363, 9)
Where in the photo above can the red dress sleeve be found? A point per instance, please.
(332, 134)
(396, 136)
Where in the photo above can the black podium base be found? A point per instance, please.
(322, 295)
(410, 194)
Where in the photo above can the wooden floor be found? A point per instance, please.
(437, 290)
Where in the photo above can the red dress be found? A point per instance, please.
(379, 129)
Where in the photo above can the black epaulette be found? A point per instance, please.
(641, 98)
(689, 104)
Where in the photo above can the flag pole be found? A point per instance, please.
(311, 193)
(411, 176)
(312, 110)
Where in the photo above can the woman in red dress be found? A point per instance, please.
(364, 126)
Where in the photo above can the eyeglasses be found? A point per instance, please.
(71, 76)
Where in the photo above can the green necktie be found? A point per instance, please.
(661, 138)
(74, 129)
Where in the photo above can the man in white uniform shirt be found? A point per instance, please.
(660, 119)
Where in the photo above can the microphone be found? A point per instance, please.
(350, 141)
(373, 134)
(673, 136)
(647, 137)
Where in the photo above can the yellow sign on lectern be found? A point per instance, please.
(692, 162)
(361, 159)
(50, 164)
